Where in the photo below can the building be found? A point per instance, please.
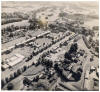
(13, 60)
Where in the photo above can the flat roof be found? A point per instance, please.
(14, 59)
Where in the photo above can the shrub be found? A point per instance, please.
(11, 77)
(10, 86)
(2, 83)
(15, 75)
(18, 71)
(73, 48)
(7, 79)
(68, 56)
(26, 81)
(24, 68)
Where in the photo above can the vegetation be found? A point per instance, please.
(15, 74)
(6, 21)
(68, 56)
(13, 17)
(24, 68)
(7, 79)
(19, 72)
(10, 86)
(2, 83)
(11, 77)
(97, 49)
(47, 63)
(26, 81)
(73, 48)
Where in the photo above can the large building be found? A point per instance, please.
(13, 60)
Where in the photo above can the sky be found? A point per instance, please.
(24, 6)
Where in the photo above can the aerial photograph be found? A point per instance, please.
(50, 45)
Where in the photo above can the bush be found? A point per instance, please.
(73, 48)
(36, 78)
(2, 83)
(15, 75)
(10, 86)
(68, 56)
(2, 68)
(67, 61)
(18, 71)
(26, 81)
(25, 68)
(11, 77)
(11, 20)
(56, 66)
(97, 49)
(7, 79)
(77, 76)
(47, 63)
(42, 86)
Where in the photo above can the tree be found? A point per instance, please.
(42, 86)
(97, 49)
(11, 77)
(18, 71)
(62, 14)
(10, 86)
(2, 68)
(26, 81)
(77, 76)
(24, 68)
(56, 66)
(67, 56)
(11, 35)
(15, 74)
(73, 48)
(47, 63)
(33, 22)
(7, 79)
(76, 60)
(2, 83)
(36, 78)
(77, 72)
(90, 39)
(67, 61)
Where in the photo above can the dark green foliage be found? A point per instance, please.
(68, 56)
(73, 48)
(10, 86)
(7, 79)
(26, 81)
(2, 83)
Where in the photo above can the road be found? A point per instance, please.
(86, 66)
